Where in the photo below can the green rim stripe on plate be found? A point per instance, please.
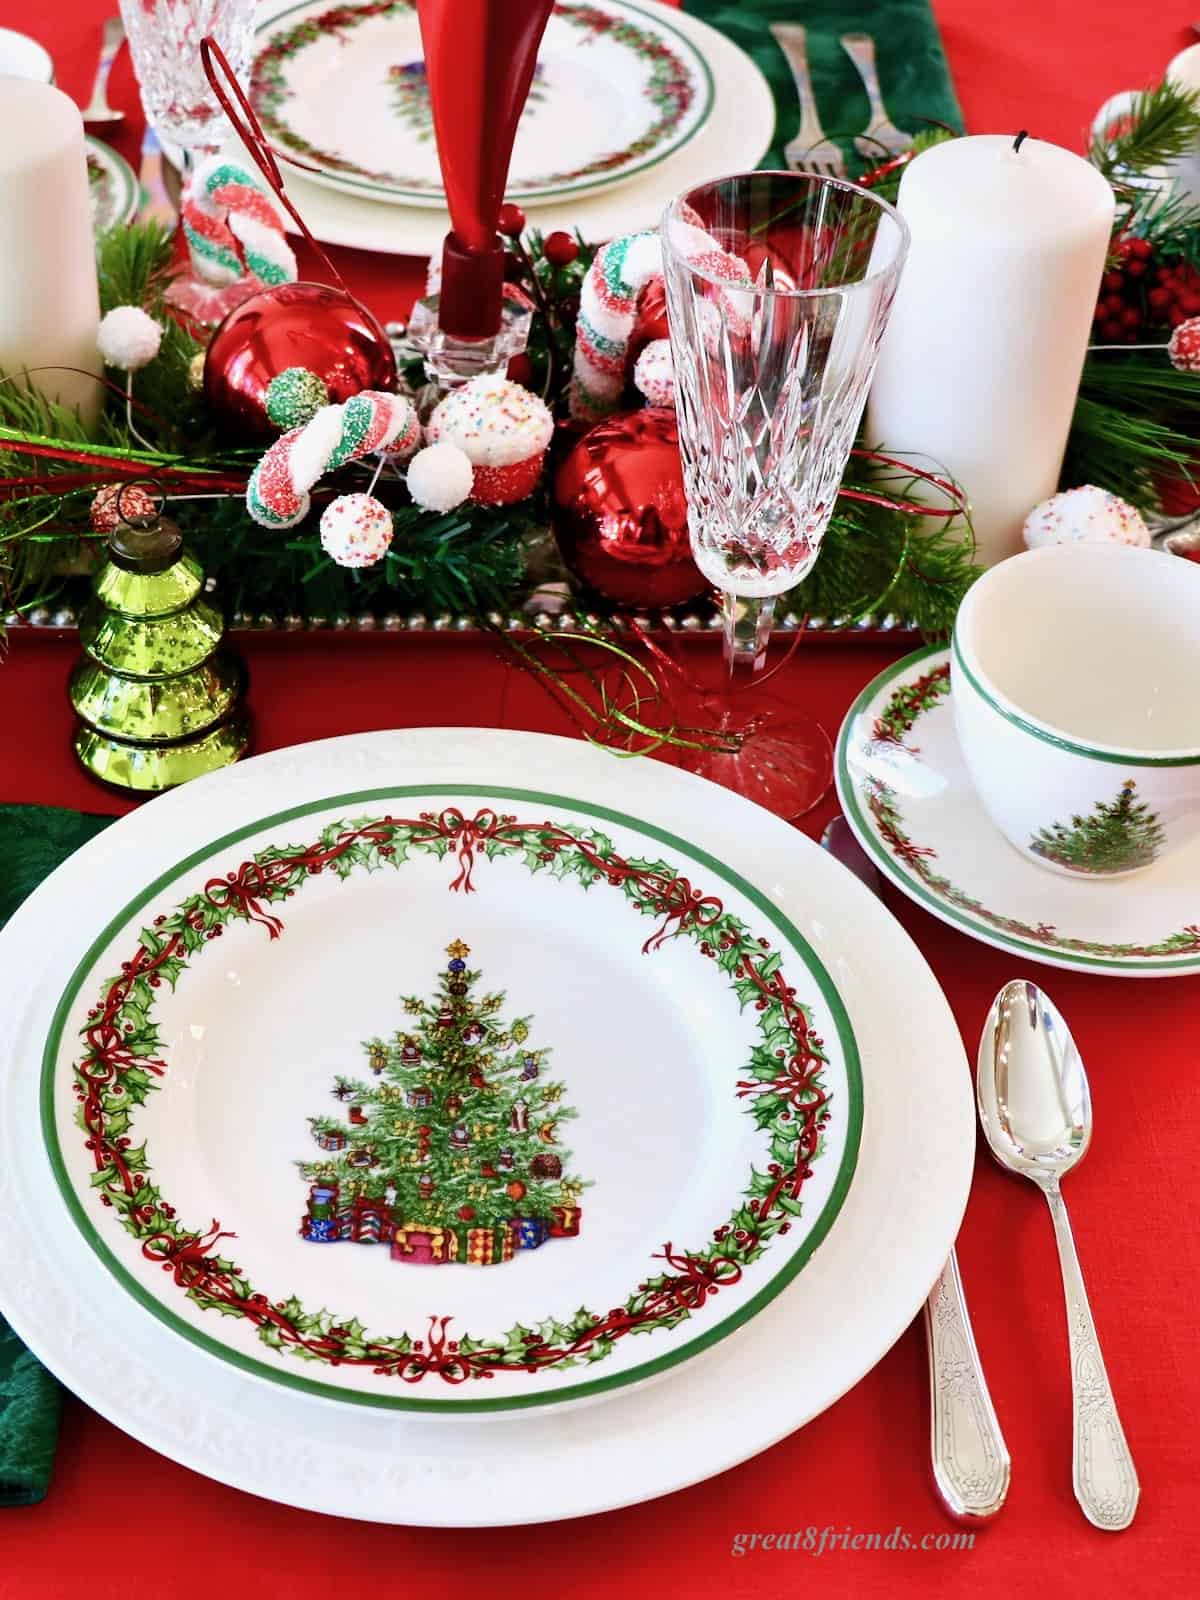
(1058, 740)
(869, 839)
(645, 1369)
(338, 180)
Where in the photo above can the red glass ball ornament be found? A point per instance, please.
(650, 322)
(467, 1213)
(559, 248)
(515, 1190)
(620, 516)
(511, 221)
(293, 325)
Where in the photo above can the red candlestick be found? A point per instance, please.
(480, 57)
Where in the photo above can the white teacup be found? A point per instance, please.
(1075, 675)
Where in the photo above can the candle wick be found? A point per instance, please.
(1020, 140)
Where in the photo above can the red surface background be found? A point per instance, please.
(120, 1520)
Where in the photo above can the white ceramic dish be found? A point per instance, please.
(113, 186)
(342, 91)
(906, 792)
(733, 140)
(822, 1333)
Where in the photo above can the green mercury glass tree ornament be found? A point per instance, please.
(159, 700)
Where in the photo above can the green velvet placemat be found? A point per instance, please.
(913, 75)
(33, 841)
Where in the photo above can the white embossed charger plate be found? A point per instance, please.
(237, 1140)
(342, 92)
(906, 792)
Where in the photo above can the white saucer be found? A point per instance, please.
(907, 794)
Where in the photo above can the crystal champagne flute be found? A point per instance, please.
(779, 287)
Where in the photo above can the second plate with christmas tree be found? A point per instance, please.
(573, 1063)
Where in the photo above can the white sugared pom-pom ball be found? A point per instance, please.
(440, 476)
(128, 338)
(654, 374)
(1086, 515)
(356, 530)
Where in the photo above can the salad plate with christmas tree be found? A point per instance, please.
(583, 1068)
(906, 792)
(575, 982)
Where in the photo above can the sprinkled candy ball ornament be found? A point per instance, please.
(1086, 515)
(440, 476)
(136, 503)
(1183, 347)
(277, 495)
(504, 431)
(356, 530)
(128, 338)
(294, 397)
(654, 374)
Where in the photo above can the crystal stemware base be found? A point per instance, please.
(781, 760)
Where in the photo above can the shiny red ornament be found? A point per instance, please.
(620, 516)
(294, 325)
(650, 322)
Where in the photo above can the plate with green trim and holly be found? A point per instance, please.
(906, 792)
(342, 93)
(400, 1093)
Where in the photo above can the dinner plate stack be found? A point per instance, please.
(630, 104)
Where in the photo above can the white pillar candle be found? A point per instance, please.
(49, 306)
(980, 364)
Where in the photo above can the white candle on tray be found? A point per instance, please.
(49, 308)
(980, 364)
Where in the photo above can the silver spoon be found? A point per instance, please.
(1037, 1117)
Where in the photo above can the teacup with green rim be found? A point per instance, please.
(1075, 679)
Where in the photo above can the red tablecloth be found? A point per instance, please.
(122, 1521)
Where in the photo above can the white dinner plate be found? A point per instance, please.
(112, 185)
(733, 139)
(823, 1331)
(342, 91)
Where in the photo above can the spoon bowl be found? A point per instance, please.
(1034, 1103)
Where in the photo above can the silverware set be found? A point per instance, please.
(811, 150)
(1035, 1111)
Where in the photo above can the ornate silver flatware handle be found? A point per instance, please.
(1106, 1482)
(971, 1465)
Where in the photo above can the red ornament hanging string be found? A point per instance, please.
(250, 131)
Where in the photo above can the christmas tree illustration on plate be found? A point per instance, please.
(450, 1148)
(1117, 836)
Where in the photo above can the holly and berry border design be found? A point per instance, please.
(671, 91)
(782, 1085)
(916, 694)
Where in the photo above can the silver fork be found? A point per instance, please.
(810, 151)
(98, 108)
(881, 135)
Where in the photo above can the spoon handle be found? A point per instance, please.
(971, 1464)
(1106, 1484)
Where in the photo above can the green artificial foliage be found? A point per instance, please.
(1116, 836)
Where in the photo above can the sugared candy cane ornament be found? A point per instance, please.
(234, 231)
(278, 492)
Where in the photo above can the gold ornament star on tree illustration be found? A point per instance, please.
(458, 951)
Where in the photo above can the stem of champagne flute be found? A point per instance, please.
(747, 622)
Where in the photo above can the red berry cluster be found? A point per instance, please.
(1121, 312)
(1176, 294)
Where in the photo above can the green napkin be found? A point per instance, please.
(33, 841)
(913, 74)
